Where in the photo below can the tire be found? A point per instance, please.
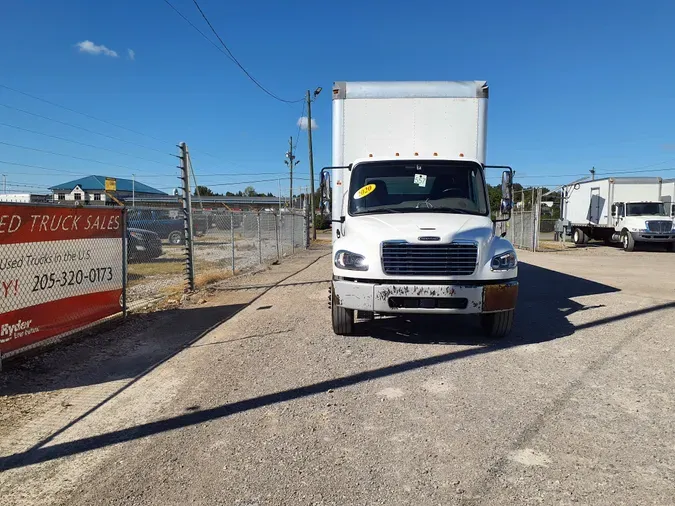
(497, 325)
(579, 236)
(175, 238)
(627, 241)
(343, 318)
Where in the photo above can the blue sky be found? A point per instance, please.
(573, 84)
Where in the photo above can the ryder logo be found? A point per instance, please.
(9, 331)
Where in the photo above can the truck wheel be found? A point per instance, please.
(579, 236)
(497, 325)
(343, 318)
(175, 237)
(627, 241)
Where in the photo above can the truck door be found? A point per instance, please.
(597, 203)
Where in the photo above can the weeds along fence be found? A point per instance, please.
(163, 263)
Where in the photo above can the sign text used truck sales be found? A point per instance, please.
(60, 269)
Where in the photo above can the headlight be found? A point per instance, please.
(350, 261)
(136, 235)
(504, 262)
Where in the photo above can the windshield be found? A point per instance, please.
(646, 209)
(426, 186)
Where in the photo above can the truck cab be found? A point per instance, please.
(413, 232)
(636, 222)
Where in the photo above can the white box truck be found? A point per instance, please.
(668, 196)
(613, 209)
(411, 220)
(23, 198)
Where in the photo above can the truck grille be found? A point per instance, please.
(659, 227)
(405, 259)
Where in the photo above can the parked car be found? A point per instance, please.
(143, 245)
(163, 224)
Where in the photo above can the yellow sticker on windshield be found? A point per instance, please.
(365, 191)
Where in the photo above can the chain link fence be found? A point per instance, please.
(225, 243)
(157, 253)
(239, 241)
(533, 226)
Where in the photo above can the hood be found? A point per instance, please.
(411, 226)
(141, 231)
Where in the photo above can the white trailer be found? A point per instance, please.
(668, 196)
(15, 197)
(626, 209)
(412, 228)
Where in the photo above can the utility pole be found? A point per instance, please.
(592, 173)
(4, 183)
(311, 156)
(291, 164)
(133, 190)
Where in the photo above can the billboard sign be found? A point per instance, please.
(60, 270)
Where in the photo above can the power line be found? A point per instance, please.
(233, 184)
(80, 113)
(227, 51)
(638, 170)
(80, 143)
(197, 29)
(34, 97)
(16, 183)
(66, 155)
(234, 58)
(41, 167)
(302, 114)
(81, 128)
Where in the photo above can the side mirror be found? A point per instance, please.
(614, 210)
(325, 191)
(507, 198)
(672, 210)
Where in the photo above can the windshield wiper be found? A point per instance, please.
(375, 211)
(449, 210)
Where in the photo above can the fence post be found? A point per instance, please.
(187, 215)
(522, 220)
(125, 261)
(276, 232)
(260, 257)
(292, 232)
(232, 238)
(305, 226)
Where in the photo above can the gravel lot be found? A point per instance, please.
(576, 406)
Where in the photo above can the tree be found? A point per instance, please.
(249, 191)
(204, 191)
(229, 194)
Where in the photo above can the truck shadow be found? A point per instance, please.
(545, 301)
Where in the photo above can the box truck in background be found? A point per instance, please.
(412, 230)
(626, 209)
(668, 196)
(23, 198)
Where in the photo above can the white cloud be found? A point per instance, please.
(87, 46)
(132, 54)
(302, 123)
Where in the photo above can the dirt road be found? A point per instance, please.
(576, 406)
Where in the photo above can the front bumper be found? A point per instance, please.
(422, 298)
(653, 237)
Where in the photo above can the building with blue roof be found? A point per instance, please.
(91, 190)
